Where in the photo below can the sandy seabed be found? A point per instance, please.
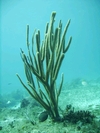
(79, 93)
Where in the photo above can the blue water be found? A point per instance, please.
(83, 57)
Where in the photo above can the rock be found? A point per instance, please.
(43, 116)
(0, 127)
(24, 103)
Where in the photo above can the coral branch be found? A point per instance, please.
(44, 63)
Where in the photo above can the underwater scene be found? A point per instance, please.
(50, 66)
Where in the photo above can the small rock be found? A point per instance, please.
(43, 116)
(0, 127)
(24, 103)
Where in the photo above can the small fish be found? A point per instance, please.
(9, 83)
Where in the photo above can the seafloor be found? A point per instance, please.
(19, 117)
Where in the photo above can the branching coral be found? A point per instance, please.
(44, 63)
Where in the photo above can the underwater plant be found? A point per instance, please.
(42, 65)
